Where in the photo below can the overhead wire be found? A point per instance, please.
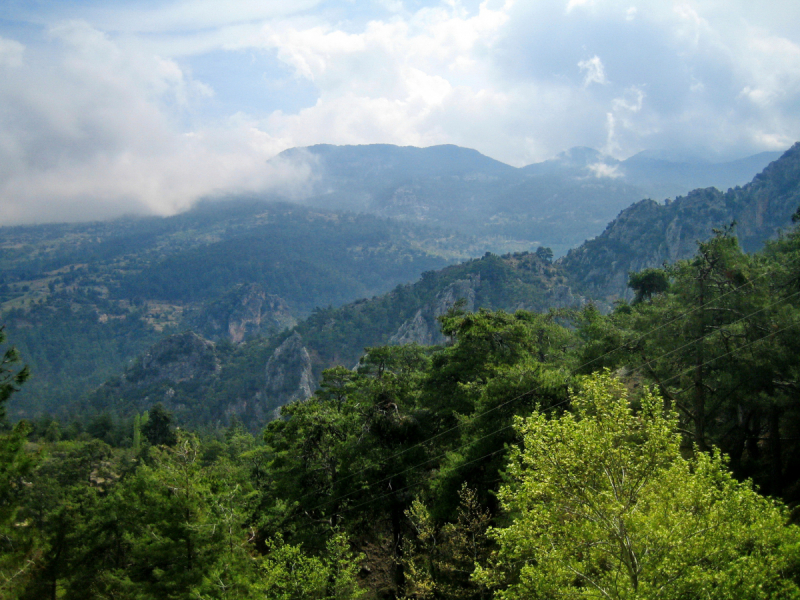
(417, 484)
(534, 390)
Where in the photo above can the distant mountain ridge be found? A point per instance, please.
(557, 203)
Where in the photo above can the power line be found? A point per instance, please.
(531, 391)
(687, 344)
(412, 468)
(408, 487)
(534, 390)
(350, 508)
(708, 362)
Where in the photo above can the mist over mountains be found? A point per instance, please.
(557, 203)
(82, 301)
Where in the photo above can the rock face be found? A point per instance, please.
(246, 311)
(476, 292)
(289, 373)
(178, 358)
(423, 328)
(258, 312)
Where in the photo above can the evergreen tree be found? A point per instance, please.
(158, 428)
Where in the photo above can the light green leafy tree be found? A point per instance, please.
(604, 505)
(288, 573)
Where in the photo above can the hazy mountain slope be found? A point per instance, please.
(81, 301)
(308, 260)
(647, 233)
(661, 178)
(259, 376)
(557, 203)
(653, 175)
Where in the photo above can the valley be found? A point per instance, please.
(83, 301)
(256, 398)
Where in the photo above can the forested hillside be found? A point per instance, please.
(268, 357)
(257, 377)
(570, 454)
(81, 301)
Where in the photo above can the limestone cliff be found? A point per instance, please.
(289, 373)
(490, 291)
(244, 312)
(423, 327)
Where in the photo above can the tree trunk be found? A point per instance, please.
(699, 407)
(397, 542)
(775, 450)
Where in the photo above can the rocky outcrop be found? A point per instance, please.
(423, 327)
(289, 373)
(258, 313)
(175, 359)
(244, 312)
(562, 296)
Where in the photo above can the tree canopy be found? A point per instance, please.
(604, 505)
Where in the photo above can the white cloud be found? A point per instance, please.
(573, 4)
(631, 100)
(115, 116)
(594, 72)
(397, 82)
(604, 170)
(96, 135)
(11, 52)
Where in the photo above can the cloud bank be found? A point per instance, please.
(113, 110)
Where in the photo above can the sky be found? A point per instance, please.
(111, 108)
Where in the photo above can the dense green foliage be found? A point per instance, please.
(644, 453)
(486, 466)
(722, 344)
(605, 506)
(190, 518)
(332, 336)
